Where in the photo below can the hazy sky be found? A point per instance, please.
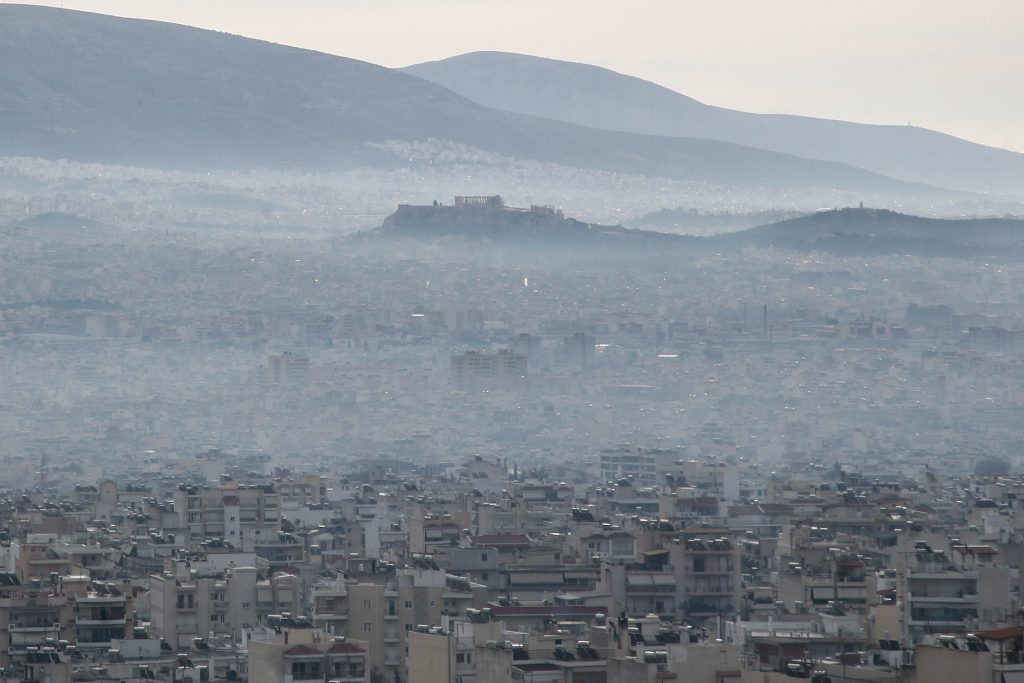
(951, 65)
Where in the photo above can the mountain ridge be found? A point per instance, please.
(96, 88)
(591, 95)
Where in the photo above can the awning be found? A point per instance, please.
(639, 580)
(533, 578)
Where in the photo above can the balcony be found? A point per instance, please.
(965, 598)
(954, 625)
(651, 590)
(391, 638)
(100, 622)
(711, 592)
(330, 616)
(104, 599)
(14, 628)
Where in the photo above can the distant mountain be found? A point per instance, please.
(593, 96)
(56, 220)
(878, 231)
(91, 87)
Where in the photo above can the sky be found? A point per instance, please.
(949, 65)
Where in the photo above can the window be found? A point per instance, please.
(483, 576)
(367, 627)
(306, 671)
(483, 557)
(460, 658)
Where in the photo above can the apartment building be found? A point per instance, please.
(952, 592)
(300, 652)
(238, 514)
(184, 606)
(383, 608)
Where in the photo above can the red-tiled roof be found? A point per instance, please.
(1001, 633)
(976, 549)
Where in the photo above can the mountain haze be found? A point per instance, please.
(97, 88)
(593, 96)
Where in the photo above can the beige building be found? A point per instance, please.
(987, 657)
(84, 613)
(383, 609)
(955, 591)
(438, 655)
(693, 574)
(184, 606)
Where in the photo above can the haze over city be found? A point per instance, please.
(508, 341)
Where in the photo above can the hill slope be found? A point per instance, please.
(593, 96)
(91, 87)
(878, 231)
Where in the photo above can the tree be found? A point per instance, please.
(991, 465)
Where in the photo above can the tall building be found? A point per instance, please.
(243, 516)
(184, 606)
(383, 609)
(288, 368)
(476, 370)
